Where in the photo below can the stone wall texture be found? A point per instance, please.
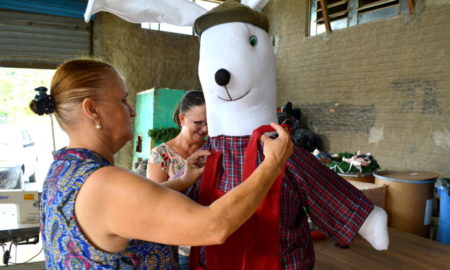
(381, 87)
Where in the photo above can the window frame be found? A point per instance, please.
(356, 15)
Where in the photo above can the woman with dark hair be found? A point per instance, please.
(168, 158)
(99, 216)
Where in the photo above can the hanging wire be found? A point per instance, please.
(8, 254)
(53, 133)
(35, 255)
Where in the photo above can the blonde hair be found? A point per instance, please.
(74, 81)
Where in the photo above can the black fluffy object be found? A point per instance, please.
(301, 135)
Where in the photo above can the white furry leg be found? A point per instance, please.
(375, 230)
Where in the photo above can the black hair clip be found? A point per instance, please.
(44, 102)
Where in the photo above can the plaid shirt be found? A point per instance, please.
(331, 202)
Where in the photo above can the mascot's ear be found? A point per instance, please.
(175, 12)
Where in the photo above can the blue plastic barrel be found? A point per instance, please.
(443, 192)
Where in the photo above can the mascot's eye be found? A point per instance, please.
(253, 41)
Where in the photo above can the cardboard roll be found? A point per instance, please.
(409, 198)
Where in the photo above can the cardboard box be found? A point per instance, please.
(375, 192)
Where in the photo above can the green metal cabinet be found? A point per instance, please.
(154, 109)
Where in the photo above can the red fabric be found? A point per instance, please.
(244, 249)
(318, 235)
(212, 173)
(332, 203)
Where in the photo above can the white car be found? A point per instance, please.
(18, 157)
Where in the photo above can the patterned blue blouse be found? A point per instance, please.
(65, 245)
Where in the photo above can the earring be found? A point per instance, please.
(97, 124)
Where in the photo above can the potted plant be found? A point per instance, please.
(160, 135)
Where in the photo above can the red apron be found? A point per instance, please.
(256, 244)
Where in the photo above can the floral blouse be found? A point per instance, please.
(64, 243)
(169, 161)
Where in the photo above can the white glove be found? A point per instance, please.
(375, 230)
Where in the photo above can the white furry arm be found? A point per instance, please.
(374, 229)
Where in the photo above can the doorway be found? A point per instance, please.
(37, 135)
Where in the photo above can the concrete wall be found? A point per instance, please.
(146, 58)
(381, 87)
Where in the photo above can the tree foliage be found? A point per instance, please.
(17, 90)
(163, 134)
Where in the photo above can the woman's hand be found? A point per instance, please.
(278, 150)
(195, 166)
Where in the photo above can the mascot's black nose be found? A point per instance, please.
(222, 77)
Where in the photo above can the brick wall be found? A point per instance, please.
(380, 87)
(146, 58)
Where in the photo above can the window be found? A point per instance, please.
(185, 30)
(341, 14)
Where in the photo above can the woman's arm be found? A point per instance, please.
(156, 173)
(155, 170)
(114, 203)
(189, 174)
(194, 170)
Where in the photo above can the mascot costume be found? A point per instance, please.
(238, 77)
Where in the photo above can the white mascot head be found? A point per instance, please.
(237, 64)
(236, 69)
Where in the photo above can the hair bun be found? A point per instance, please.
(43, 103)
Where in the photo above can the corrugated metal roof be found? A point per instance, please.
(41, 41)
(64, 8)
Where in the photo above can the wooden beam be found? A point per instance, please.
(326, 19)
(335, 4)
(334, 15)
(411, 6)
(374, 4)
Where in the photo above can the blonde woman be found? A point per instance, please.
(99, 216)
